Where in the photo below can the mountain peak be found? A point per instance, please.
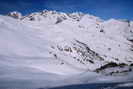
(15, 14)
(51, 14)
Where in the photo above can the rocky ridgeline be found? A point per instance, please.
(60, 16)
(81, 52)
(15, 14)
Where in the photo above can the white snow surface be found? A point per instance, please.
(46, 52)
(126, 85)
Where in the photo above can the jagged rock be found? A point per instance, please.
(109, 65)
(59, 20)
(76, 16)
(131, 64)
(15, 14)
(113, 68)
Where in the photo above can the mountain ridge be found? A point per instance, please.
(82, 41)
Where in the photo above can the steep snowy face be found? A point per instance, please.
(75, 42)
(124, 27)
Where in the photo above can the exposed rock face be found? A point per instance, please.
(76, 16)
(114, 69)
(15, 15)
(78, 52)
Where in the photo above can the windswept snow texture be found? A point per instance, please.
(49, 48)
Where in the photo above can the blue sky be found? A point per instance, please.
(106, 9)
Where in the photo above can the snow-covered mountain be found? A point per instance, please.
(65, 44)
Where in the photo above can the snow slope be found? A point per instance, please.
(56, 44)
(109, 39)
